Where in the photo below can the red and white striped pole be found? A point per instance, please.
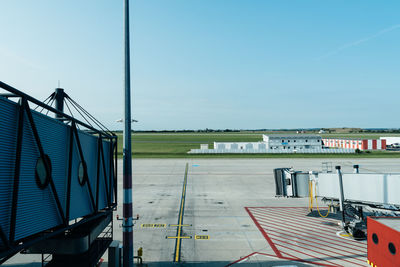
(127, 224)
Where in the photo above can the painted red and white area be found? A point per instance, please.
(294, 236)
(362, 144)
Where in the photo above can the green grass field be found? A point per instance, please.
(176, 145)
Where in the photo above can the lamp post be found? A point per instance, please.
(127, 224)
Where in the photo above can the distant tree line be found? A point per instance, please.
(308, 130)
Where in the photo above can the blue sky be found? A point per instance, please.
(212, 64)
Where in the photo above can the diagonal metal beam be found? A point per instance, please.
(115, 170)
(111, 172)
(98, 173)
(104, 170)
(83, 160)
(71, 142)
(42, 154)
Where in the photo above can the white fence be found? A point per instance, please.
(272, 151)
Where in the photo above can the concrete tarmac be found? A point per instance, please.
(217, 192)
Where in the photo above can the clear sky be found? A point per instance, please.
(211, 63)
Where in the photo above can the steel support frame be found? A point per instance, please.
(71, 140)
(108, 189)
(111, 170)
(104, 170)
(100, 157)
(27, 242)
(24, 108)
(115, 170)
(12, 246)
(74, 129)
(16, 172)
(42, 154)
(18, 93)
(98, 174)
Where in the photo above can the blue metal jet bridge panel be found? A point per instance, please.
(8, 128)
(28, 207)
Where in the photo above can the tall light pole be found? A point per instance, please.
(127, 226)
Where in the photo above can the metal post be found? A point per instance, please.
(59, 101)
(341, 198)
(127, 153)
(356, 169)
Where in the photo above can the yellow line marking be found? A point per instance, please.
(176, 225)
(347, 235)
(178, 237)
(202, 237)
(179, 233)
(153, 225)
(178, 241)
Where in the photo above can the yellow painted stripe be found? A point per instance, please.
(202, 237)
(179, 237)
(178, 244)
(153, 225)
(345, 235)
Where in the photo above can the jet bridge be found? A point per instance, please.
(57, 179)
(356, 195)
(363, 188)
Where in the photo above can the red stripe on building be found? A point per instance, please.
(364, 144)
(371, 144)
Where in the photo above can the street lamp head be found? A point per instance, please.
(121, 120)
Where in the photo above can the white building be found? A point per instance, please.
(293, 141)
(204, 146)
(240, 145)
(274, 143)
